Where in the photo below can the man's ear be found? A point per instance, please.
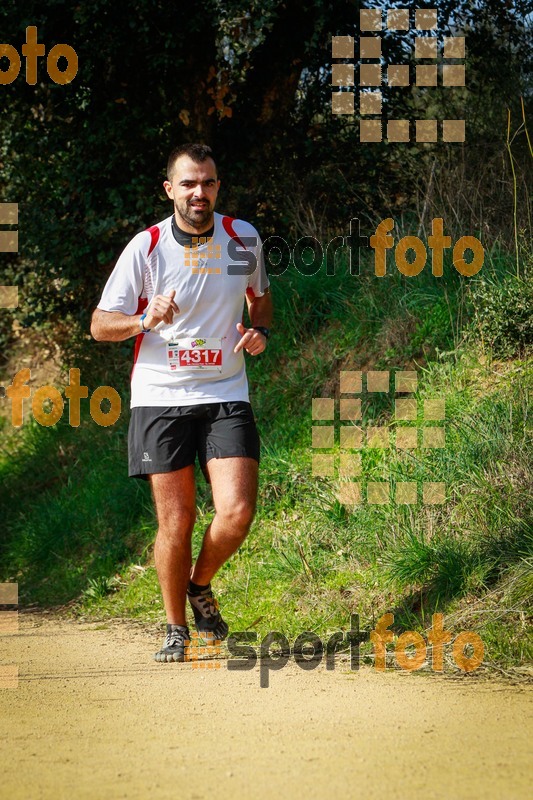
(168, 189)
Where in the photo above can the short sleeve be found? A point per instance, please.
(125, 285)
(258, 281)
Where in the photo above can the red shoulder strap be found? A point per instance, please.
(155, 234)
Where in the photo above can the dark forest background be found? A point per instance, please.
(86, 161)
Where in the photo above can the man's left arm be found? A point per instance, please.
(260, 311)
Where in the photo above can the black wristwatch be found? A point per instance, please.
(263, 330)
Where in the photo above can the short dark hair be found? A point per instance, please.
(196, 152)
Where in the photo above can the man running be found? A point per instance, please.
(179, 287)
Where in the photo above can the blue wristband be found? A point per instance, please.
(141, 322)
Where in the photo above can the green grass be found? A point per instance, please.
(83, 532)
(67, 522)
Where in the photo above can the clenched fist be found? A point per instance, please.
(161, 309)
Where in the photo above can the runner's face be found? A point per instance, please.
(194, 189)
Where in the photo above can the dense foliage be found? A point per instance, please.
(85, 161)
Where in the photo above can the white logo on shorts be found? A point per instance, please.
(146, 457)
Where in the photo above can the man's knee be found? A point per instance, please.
(177, 524)
(237, 516)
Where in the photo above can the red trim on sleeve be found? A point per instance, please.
(227, 223)
(141, 305)
(155, 233)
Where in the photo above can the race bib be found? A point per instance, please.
(195, 353)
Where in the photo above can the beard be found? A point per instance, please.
(195, 217)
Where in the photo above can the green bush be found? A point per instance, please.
(503, 315)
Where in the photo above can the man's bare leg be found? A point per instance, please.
(175, 502)
(234, 485)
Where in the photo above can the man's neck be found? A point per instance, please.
(185, 237)
(186, 227)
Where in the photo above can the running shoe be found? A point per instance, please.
(207, 617)
(176, 642)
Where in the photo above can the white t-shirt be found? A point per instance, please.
(190, 361)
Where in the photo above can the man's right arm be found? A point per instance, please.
(114, 326)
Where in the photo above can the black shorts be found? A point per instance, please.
(163, 439)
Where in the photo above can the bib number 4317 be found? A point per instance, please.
(195, 353)
(201, 357)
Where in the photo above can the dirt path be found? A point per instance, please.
(94, 717)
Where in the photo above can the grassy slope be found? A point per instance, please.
(84, 531)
